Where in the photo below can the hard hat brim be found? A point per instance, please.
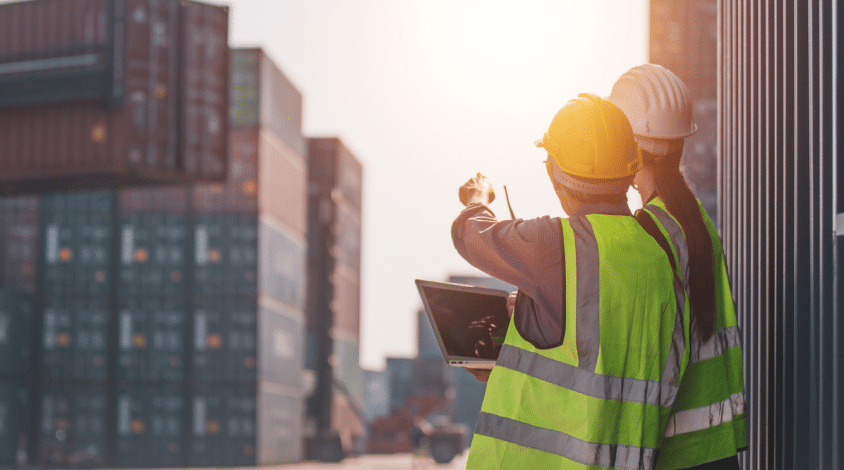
(667, 137)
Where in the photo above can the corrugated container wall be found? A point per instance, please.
(261, 95)
(334, 286)
(101, 93)
(249, 270)
(683, 38)
(14, 421)
(17, 318)
(780, 186)
(335, 230)
(19, 243)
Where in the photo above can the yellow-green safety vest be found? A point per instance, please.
(603, 397)
(708, 420)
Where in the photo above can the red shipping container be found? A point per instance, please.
(265, 175)
(169, 123)
(282, 184)
(204, 89)
(240, 192)
(56, 50)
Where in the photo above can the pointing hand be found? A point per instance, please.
(477, 189)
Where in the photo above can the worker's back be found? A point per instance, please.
(602, 397)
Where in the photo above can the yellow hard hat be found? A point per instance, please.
(591, 138)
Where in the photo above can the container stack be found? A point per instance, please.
(684, 39)
(107, 93)
(149, 317)
(75, 296)
(248, 279)
(171, 320)
(334, 284)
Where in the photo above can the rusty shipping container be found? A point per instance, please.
(267, 158)
(59, 50)
(265, 175)
(204, 89)
(162, 117)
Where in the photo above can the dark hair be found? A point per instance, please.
(672, 188)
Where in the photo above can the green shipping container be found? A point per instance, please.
(262, 96)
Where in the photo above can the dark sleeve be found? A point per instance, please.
(525, 253)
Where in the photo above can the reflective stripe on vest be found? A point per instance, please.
(704, 417)
(582, 376)
(605, 387)
(563, 445)
(728, 409)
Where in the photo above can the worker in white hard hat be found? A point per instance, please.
(596, 346)
(707, 426)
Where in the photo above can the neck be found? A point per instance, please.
(605, 208)
(647, 185)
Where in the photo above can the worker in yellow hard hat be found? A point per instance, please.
(596, 347)
(708, 421)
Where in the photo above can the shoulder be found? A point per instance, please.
(539, 229)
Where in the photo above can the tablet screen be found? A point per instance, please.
(471, 324)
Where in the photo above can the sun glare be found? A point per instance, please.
(502, 28)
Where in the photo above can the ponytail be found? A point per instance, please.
(671, 187)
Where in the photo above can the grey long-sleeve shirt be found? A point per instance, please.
(527, 254)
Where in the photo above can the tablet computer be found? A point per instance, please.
(469, 322)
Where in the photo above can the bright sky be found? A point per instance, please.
(427, 93)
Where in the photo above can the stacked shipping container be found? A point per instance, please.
(149, 318)
(172, 318)
(76, 236)
(683, 38)
(334, 272)
(99, 93)
(248, 276)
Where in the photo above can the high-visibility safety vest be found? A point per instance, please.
(602, 398)
(708, 420)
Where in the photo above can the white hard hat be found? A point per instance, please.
(656, 102)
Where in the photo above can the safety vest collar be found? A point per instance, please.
(675, 233)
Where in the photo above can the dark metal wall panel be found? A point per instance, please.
(778, 137)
